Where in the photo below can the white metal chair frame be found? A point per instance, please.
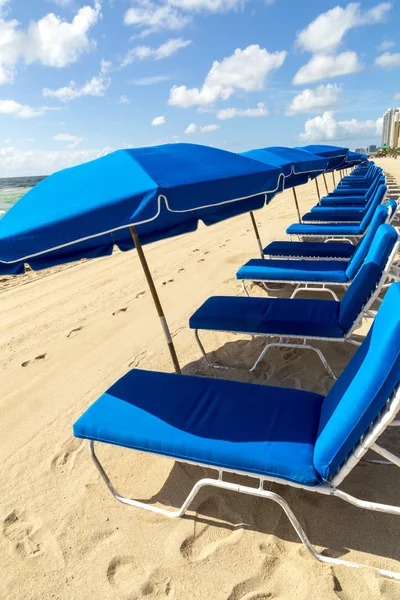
(353, 239)
(329, 488)
(283, 340)
(312, 286)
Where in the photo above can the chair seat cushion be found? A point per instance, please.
(275, 316)
(294, 270)
(328, 229)
(244, 427)
(334, 216)
(310, 249)
(332, 201)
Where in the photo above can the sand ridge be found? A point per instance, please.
(66, 335)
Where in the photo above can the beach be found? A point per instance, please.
(67, 334)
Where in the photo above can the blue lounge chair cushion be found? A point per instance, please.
(294, 270)
(239, 426)
(361, 392)
(324, 229)
(334, 216)
(280, 316)
(368, 276)
(365, 243)
(310, 249)
(342, 201)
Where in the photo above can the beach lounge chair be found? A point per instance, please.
(336, 231)
(277, 435)
(349, 197)
(311, 275)
(341, 214)
(302, 320)
(327, 250)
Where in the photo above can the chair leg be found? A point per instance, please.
(241, 489)
(300, 346)
(208, 361)
(305, 288)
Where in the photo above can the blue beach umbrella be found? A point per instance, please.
(129, 198)
(336, 156)
(298, 166)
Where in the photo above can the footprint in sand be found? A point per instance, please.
(142, 293)
(75, 331)
(196, 250)
(24, 535)
(126, 575)
(167, 282)
(201, 260)
(206, 539)
(66, 456)
(120, 310)
(138, 359)
(38, 358)
(292, 354)
(180, 270)
(249, 589)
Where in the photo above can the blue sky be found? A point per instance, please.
(79, 78)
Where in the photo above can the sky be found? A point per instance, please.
(80, 78)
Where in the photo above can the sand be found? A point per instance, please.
(66, 335)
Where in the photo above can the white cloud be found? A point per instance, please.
(326, 128)
(324, 96)
(324, 66)
(17, 162)
(245, 70)
(50, 41)
(159, 121)
(170, 15)
(96, 86)
(152, 17)
(123, 100)
(210, 5)
(326, 32)
(193, 128)
(152, 80)
(72, 140)
(388, 60)
(170, 47)
(386, 45)
(18, 140)
(229, 113)
(22, 111)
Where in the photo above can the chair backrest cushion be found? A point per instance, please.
(377, 200)
(359, 255)
(361, 391)
(368, 276)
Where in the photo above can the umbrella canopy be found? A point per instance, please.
(354, 158)
(297, 165)
(84, 211)
(336, 155)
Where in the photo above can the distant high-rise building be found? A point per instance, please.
(360, 150)
(395, 134)
(388, 123)
(372, 148)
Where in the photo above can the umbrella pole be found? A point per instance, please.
(319, 195)
(297, 204)
(326, 185)
(156, 299)
(257, 234)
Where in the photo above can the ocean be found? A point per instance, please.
(13, 188)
